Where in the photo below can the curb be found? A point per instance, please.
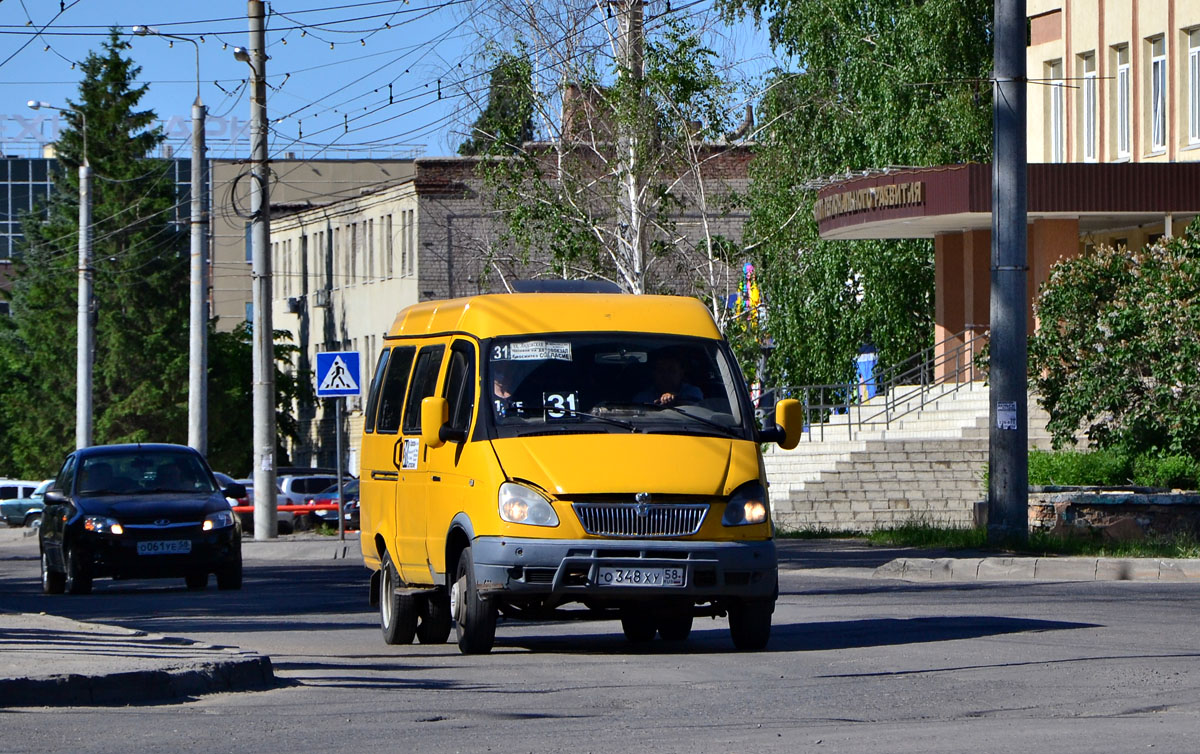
(137, 686)
(1039, 569)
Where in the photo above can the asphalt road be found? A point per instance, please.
(854, 665)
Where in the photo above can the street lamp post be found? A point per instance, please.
(262, 346)
(85, 335)
(198, 319)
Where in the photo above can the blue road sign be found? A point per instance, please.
(338, 374)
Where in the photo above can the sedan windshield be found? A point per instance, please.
(617, 382)
(142, 472)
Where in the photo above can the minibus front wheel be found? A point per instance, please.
(474, 616)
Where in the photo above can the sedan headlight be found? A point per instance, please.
(522, 505)
(102, 525)
(747, 506)
(218, 520)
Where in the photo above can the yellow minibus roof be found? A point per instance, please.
(492, 315)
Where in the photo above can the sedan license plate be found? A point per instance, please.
(165, 547)
(608, 576)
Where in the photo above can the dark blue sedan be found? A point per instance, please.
(138, 511)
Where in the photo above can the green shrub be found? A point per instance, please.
(1079, 468)
(1174, 472)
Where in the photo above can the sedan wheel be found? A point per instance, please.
(78, 578)
(53, 582)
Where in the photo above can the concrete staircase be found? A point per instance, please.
(927, 466)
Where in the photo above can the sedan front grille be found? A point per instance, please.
(639, 520)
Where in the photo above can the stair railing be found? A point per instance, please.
(902, 389)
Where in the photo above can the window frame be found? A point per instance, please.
(1124, 119)
(1091, 152)
(1058, 115)
(1194, 86)
(1158, 95)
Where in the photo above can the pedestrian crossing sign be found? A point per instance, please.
(338, 374)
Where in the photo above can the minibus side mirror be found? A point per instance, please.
(434, 413)
(789, 424)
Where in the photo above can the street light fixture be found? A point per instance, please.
(198, 318)
(85, 334)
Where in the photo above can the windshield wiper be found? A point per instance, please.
(725, 430)
(607, 420)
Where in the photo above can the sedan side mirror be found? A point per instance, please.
(54, 497)
(235, 490)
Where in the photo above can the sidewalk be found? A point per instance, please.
(47, 660)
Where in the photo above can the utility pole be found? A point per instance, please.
(85, 323)
(198, 319)
(1008, 447)
(198, 340)
(265, 511)
(631, 42)
(86, 338)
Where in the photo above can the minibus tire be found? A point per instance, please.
(436, 620)
(675, 626)
(638, 624)
(397, 613)
(750, 623)
(475, 617)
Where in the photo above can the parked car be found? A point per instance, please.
(284, 520)
(349, 503)
(298, 488)
(25, 511)
(13, 489)
(138, 511)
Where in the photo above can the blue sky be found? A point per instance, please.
(353, 79)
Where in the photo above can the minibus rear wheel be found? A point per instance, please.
(397, 612)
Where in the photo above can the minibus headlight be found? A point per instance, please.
(522, 505)
(747, 506)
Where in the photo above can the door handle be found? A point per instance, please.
(436, 478)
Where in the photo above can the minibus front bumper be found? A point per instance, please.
(625, 569)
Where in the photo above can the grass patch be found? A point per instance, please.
(817, 534)
(1040, 543)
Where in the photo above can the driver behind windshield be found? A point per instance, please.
(669, 387)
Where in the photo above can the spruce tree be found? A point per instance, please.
(140, 284)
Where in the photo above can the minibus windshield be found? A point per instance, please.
(618, 382)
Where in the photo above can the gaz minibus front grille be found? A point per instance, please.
(640, 520)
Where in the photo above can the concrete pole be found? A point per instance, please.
(86, 336)
(1008, 450)
(265, 511)
(198, 341)
(631, 48)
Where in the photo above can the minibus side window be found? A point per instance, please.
(424, 382)
(460, 385)
(373, 396)
(391, 396)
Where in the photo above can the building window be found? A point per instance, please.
(4, 309)
(404, 243)
(1194, 86)
(1089, 107)
(412, 246)
(1158, 94)
(370, 250)
(1123, 131)
(1058, 142)
(390, 246)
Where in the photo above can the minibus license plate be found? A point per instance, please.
(607, 576)
(165, 547)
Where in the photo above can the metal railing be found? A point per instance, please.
(923, 378)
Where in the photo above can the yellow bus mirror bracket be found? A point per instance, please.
(435, 412)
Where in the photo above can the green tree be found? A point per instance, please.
(1117, 352)
(506, 123)
(624, 152)
(140, 281)
(874, 83)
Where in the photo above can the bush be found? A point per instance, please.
(1076, 468)
(1174, 472)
